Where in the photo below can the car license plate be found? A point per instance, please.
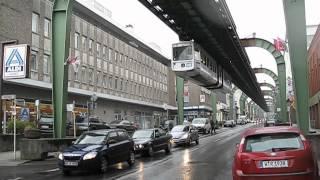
(45, 127)
(70, 163)
(274, 164)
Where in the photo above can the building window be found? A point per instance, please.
(35, 22)
(46, 27)
(90, 76)
(90, 45)
(120, 59)
(98, 79)
(76, 40)
(115, 56)
(110, 54)
(84, 43)
(105, 51)
(34, 62)
(121, 85)
(46, 64)
(104, 81)
(116, 83)
(83, 74)
(98, 49)
(110, 81)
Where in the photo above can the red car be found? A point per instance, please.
(274, 153)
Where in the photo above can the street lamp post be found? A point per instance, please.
(93, 99)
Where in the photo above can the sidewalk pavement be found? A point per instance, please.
(7, 159)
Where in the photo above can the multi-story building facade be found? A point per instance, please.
(314, 77)
(130, 79)
(198, 102)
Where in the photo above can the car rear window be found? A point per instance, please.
(273, 142)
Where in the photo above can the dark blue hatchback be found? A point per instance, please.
(96, 150)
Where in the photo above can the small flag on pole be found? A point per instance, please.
(279, 44)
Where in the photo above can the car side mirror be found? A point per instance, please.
(157, 135)
(237, 145)
(72, 142)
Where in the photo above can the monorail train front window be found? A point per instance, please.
(182, 53)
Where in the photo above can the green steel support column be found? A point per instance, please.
(296, 33)
(243, 99)
(214, 105)
(61, 18)
(283, 93)
(231, 105)
(180, 89)
(250, 106)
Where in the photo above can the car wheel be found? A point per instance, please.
(197, 141)
(168, 148)
(103, 165)
(150, 151)
(66, 172)
(131, 159)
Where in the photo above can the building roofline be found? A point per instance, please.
(87, 14)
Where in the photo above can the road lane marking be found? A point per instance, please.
(49, 171)
(194, 149)
(18, 178)
(52, 170)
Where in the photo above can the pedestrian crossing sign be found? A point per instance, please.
(15, 58)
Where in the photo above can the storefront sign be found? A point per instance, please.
(15, 58)
(25, 114)
(70, 107)
(8, 96)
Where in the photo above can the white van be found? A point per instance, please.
(202, 124)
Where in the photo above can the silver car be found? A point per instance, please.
(184, 134)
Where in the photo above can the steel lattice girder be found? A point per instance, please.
(280, 99)
(267, 85)
(281, 67)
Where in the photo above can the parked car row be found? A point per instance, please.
(84, 124)
(96, 150)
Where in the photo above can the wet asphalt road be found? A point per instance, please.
(210, 160)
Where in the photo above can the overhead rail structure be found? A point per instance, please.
(210, 24)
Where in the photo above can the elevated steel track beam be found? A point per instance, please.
(210, 24)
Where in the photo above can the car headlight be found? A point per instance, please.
(90, 155)
(140, 146)
(185, 136)
(60, 156)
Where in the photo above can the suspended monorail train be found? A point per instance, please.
(193, 63)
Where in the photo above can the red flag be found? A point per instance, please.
(279, 44)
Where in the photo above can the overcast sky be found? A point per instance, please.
(264, 17)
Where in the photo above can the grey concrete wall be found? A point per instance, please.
(315, 141)
(15, 19)
(6, 142)
(37, 149)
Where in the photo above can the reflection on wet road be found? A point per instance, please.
(210, 160)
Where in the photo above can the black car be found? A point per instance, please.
(184, 134)
(129, 126)
(94, 123)
(96, 150)
(148, 141)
